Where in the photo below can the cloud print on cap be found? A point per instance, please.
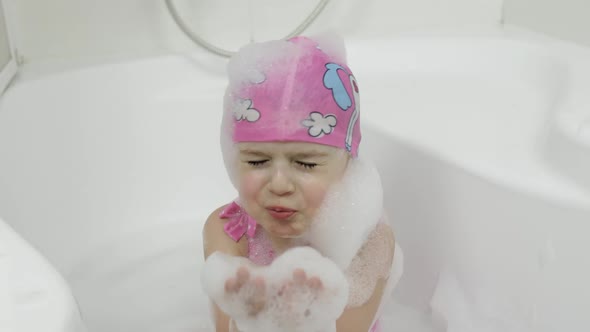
(244, 111)
(319, 125)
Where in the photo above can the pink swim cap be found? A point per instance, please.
(293, 91)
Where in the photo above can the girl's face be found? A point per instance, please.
(282, 184)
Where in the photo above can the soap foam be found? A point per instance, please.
(350, 212)
(307, 310)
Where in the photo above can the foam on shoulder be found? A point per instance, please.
(350, 212)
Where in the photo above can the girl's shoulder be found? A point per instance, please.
(384, 231)
(215, 238)
(380, 243)
(375, 257)
(370, 269)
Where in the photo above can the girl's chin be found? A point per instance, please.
(285, 231)
(289, 236)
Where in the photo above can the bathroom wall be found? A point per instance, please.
(565, 19)
(5, 52)
(112, 28)
(8, 66)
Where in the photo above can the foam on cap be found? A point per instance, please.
(332, 44)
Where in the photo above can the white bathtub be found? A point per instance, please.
(111, 170)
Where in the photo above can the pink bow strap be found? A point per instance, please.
(240, 222)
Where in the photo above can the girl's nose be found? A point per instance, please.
(280, 183)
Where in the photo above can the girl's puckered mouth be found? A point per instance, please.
(280, 212)
(280, 209)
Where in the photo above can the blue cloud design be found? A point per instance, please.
(332, 81)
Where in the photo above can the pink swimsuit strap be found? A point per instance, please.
(376, 327)
(240, 223)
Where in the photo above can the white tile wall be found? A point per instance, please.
(565, 19)
(89, 28)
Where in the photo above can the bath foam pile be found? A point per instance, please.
(348, 218)
(350, 212)
(308, 309)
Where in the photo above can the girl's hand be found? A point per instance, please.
(252, 291)
(300, 281)
(232, 326)
(298, 291)
(301, 291)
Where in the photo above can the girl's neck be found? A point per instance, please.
(280, 245)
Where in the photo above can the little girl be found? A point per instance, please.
(305, 246)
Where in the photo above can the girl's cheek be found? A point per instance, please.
(315, 192)
(317, 197)
(250, 184)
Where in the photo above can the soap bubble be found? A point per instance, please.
(291, 304)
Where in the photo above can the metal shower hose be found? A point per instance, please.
(226, 53)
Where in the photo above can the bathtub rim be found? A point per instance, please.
(215, 67)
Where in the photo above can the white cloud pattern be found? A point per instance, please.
(319, 125)
(243, 111)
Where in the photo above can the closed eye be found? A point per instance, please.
(306, 165)
(256, 163)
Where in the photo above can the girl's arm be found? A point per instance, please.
(381, 247)
(215, 239)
